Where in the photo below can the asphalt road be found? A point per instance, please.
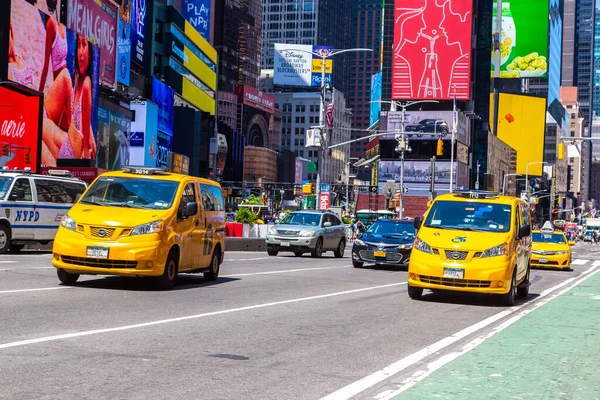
(269, 328)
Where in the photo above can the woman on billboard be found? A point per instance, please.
(18, 69)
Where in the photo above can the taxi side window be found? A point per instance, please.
(21, 183)
(526, 215)
(207, 198)
(217, 198)
(188, 196)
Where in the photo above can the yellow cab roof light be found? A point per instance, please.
(547, 228)
(141, 170)
(475, 194)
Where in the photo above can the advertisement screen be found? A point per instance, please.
(113, 140)
(257, 99)
(197, 13)
(521, 125)
(300, 65)
(97, 21)
(69, 83)
(418, 124)
(163, 96)
(417, 175)
(143, 140)
(138, 30)
(164, 146)
(432, 50)
(124, 42)
(19, 130)
(375, 97)
(524, 55)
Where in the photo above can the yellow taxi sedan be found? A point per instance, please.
(550, 249)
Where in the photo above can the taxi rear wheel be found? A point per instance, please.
(66, 277)
(213, 272)
(169, 277)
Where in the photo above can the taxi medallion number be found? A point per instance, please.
(97, 252)
(454, 273)
(379, 254)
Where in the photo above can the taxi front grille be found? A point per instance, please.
(456, 255)
(537, 262)
(466, 283)
(80, 228)
(99, 263)
(102, 233)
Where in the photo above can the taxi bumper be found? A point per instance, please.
(491, 275)
(551, 261)
(143, 256)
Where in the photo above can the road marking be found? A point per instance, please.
(246, 259)
(35, 290)
(283, 271)
(367, 382)
(579, 262)
(7, 262)
(190, 317)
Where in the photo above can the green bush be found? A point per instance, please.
(245, 216)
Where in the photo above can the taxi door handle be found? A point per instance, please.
(197, 223)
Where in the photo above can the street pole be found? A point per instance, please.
(322, 127)
(402, 167)
(432, 177)
(477, 181)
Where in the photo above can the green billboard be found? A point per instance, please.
(523, 40)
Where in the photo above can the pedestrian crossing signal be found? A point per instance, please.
(440, 148)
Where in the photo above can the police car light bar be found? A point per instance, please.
(476, 194)
(144, 170)
(60, 172)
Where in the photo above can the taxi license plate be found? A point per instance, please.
(543, 260)
(285, 244)
(379, 254)
(97, 252)
(455, 273)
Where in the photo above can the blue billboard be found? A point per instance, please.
(197, 13)
(138, 30)
(123, 65)
(163, 96)
(375, 97)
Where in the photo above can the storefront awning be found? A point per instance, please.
(362, 162)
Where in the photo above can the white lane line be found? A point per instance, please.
(247, 259)
(35, 290)
(437, 364)
(283, 271)
(579, 262)
(7, 262)
(367, 382)
(190, 317)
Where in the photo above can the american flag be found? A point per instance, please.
(329, 116)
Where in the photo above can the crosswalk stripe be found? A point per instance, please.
(579, 262)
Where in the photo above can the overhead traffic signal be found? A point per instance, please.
(28, 158)
(5, 149)
(440, 148)
(560, 151)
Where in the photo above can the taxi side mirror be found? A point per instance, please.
(417, 222)
(524, 231)
(191, 209)
(571, 243)
(18, 194)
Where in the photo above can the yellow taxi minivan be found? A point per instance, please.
(472, 241)
(143, 222)
(550, 248)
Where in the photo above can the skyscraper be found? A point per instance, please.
(313, 22)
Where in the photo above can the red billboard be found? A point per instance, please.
(19, 129)
(257, 99)
(432, 49)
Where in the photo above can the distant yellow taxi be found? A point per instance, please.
(476, 242)
(550, 249)
(143, 222)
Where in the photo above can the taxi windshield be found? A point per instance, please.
(301, 219)
(5, 182)
(556, 238)
(469, 216)
(131, 192)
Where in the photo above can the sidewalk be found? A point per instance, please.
(551, 353)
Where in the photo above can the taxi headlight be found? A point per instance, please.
(307, 234)
(500, 250)
(150, 227)
(562, 252)
(68, 222)
(422, 246)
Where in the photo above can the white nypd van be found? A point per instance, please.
(31, 206)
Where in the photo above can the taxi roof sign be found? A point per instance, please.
(141, 170)
(547, 228)
(476, 194)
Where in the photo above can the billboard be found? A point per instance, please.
(521, 125)
(138, 30)
(69, 82)
(376, 81)
(432, 50)
(143, 140)
(523, 56)
(197, 13)
(124, 43)
(97, 21)
(300, 65)
(19, 129)
(113, 140)
(422, 123)
(257, 99)
(417, 176)
(163, 96)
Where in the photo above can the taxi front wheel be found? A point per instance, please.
(213, 272)
(169, 277)
(508, 299)
(66, 277)
(415, 292)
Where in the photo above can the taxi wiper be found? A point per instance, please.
(96, 203)
(119, 205)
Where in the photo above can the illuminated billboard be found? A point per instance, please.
(432, 49)
(524, 39)
(521, 125)
(300, 65)
(67, 72)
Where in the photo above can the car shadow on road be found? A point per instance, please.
(385, 267)
(184, 282)
(471, 299)
(26, 253)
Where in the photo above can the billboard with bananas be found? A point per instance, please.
(523, 40)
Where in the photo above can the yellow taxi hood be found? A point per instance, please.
(89, 214)
(549, 246)
(457, 239)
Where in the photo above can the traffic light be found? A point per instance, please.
(28, 158)
(560, 151)
(5, 149)
(307, 188)
(440, 148)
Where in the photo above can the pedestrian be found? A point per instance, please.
(360, 227)
(594, 237)
(353, 227)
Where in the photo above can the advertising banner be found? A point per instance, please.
(178, 163)
(417, 175)
(257, 99)
(197, 13)
(164, 146)
(143, 140)
(113, 140)
(138, 31)
(124, 43)
(523, 55)
(19, 130)
(74, 90)
(97, 21)
(300, 65)
(324, 199)
(521, 125)
(432, 50)
(422, 123)
(375, 97)
(163, 96)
